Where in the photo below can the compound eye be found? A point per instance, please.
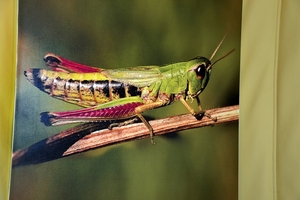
(200, 71)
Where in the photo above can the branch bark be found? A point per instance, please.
(89, 136)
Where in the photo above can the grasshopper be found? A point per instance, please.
(120, 94)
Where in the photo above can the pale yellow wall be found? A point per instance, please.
(269, 159)
(8, 19)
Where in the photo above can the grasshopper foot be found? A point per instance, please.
(201, 114)
(152, 139)
(210, 117)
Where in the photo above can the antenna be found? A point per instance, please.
(214, 53)
(220, 58)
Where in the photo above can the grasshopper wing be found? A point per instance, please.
(137, 76)
(60, 64)
(141, 76)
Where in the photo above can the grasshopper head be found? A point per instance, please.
(198, 73)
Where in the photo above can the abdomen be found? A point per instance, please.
(85, 89)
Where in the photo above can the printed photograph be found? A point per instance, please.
(127, 100)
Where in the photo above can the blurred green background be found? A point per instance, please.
(194, 164)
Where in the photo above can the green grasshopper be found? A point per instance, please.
(120, 94)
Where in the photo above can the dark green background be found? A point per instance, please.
(194, 164)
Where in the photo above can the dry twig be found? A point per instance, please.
(89, 136)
